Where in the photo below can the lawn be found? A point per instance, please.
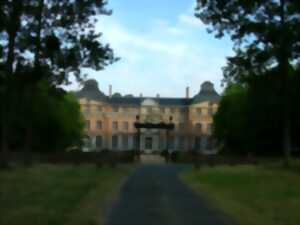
(54, 195)
(253, 195)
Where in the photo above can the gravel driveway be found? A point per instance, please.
(154, 195)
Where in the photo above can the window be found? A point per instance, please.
(199, 111)
(148, 143)
(162, 110)
(173, 110)
(88, 124)
(161, 143)
(99, 125)
(181, 142)
(125, 125)
(197, 143)
(114, 141)
(87, 109)
(115, 125)
(183, 110)
(210, 112)
(125, 141)
(210, 128)
(116, 109)
(181, 126)
(135, 141)
(171, 143)
(210, 143)
(149, 109)
(198, 126)
(99, 108)
(98, 141)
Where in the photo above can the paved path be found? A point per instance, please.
(155, 196)
(151, 159)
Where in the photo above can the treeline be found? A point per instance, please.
(250, 117)
(259, 109)
(55, 120)
(43, 43)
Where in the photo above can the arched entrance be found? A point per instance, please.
(148, 141)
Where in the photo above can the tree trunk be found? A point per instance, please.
(32, 89)
(12, 30)
(29, 127)
(4, 134)
(283, 59)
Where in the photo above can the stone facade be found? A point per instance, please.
(110, 120)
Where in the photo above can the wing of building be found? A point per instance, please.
(110, 120)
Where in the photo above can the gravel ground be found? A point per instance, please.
(154, 195)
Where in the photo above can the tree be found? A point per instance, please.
(266, 35)
(60, 124)
(231, 118)
(57, 122)
(56, 39)
(248, 119)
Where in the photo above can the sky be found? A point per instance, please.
(163, 49)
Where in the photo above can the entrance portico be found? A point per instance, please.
(149, 136)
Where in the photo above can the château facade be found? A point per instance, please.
(110, 120)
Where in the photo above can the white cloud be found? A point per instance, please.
(192, 21)
(163, 59)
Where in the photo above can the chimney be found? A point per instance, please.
(110, 91)
(187, 92)
(141, 95)
(157, 96)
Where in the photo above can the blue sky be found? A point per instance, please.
(163, 49)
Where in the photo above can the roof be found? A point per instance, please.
(161, 101)
(207, 93)
(92, 92)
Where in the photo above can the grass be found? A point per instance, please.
(58, 195)
(252, 195)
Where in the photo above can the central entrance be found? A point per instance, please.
(149, 144)
(149, 136)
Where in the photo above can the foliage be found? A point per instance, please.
(45, 41)
(266, 36)
(57, 121)
(60, 35)
(249, 118)
(231, 118)
(60, 125)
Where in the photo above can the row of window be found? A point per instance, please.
(200, 111)
(125, 126)
(199, 142)
(115, 125)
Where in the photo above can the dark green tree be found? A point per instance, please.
(266, 35)
(56, 38)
